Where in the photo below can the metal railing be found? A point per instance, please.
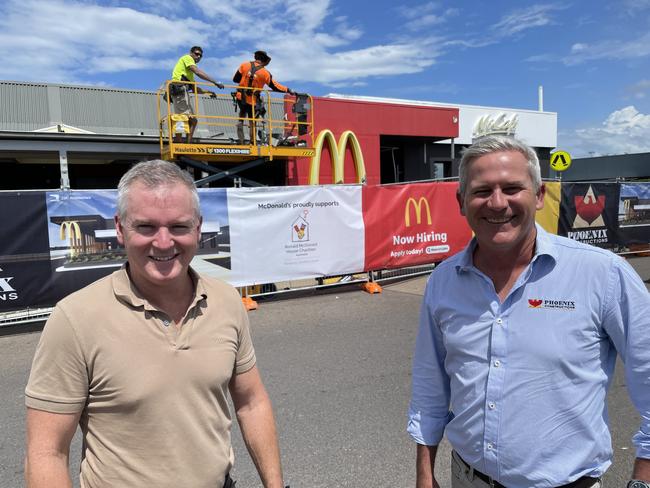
(279, 122)
(20, 317)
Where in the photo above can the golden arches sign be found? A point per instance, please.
(71, 227)
(75, 231)
(418, 211)
(337, 153)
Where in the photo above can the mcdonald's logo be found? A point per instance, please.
(418, 211)
(337, 153)
(75, 231)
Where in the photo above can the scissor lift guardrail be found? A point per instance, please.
(284, 131)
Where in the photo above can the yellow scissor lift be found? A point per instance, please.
(283, 129)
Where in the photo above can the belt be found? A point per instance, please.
(584, 482)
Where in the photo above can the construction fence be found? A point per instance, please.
(265, 240)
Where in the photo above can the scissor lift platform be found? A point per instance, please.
(233, 153)
(282, 129)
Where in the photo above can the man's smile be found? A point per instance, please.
(163, 258)
(499, 220)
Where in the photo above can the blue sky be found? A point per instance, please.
(592, 57)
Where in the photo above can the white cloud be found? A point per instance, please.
(425, 16)
(527, 18)
(632, 7)
(309, 42)
(72, 41)
(62, 41)
(538, 58)
(292, 63)
(613, 49)
(624, 131)
(639, 90)
(414, 11)
(609, 49)
(511, 25)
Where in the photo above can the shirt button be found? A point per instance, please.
(499, 321)
(497, 363)
(165, 323)
(490, 446)
(491, 405)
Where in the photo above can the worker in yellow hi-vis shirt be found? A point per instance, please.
(185, 70)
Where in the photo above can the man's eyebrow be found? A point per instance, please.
(474, 185)
(152, 222)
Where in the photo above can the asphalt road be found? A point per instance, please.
(337, 367)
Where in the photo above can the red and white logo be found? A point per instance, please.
(589, 210)
(551, 303)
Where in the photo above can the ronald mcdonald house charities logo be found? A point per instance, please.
(7, 291)
(300, 228)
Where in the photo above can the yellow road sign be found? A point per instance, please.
(560, 160)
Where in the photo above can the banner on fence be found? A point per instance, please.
(24, 257)
(287, 233)
(412, 224)
(57, 242)
(634, 214)
(589, 213)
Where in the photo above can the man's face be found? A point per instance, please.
(196, 55)
(500, 202)
(160, 233)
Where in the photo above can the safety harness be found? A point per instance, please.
(240, 95)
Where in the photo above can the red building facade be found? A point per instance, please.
(369, 121)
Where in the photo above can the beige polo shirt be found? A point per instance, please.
(153, 398)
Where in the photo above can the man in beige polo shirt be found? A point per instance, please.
(142, 361)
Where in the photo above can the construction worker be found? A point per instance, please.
(185, 70)
(250, 76)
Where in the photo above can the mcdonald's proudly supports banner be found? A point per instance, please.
(412, 224)
(287, 233)
(589, 213)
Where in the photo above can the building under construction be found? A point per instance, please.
(64, 136)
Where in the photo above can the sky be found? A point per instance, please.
(591, 57)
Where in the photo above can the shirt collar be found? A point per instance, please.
(125, 290)
(543, 247)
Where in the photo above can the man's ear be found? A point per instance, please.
(539, 204)
(119, 230)
(198, 229)
(461, 206)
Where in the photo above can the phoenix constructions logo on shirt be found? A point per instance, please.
(555, 304)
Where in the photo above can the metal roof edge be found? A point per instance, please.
(70, 136)
(402, 101)
(83, 87)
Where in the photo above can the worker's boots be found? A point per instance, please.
(240, 133)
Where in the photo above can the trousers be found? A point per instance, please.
(463, 477)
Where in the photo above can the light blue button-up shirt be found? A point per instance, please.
(519, 386)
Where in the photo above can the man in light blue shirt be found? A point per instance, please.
(518, 340)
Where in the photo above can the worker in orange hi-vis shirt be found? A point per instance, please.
(253, 75)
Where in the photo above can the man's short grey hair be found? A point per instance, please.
(492, 144)
(154, 174)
